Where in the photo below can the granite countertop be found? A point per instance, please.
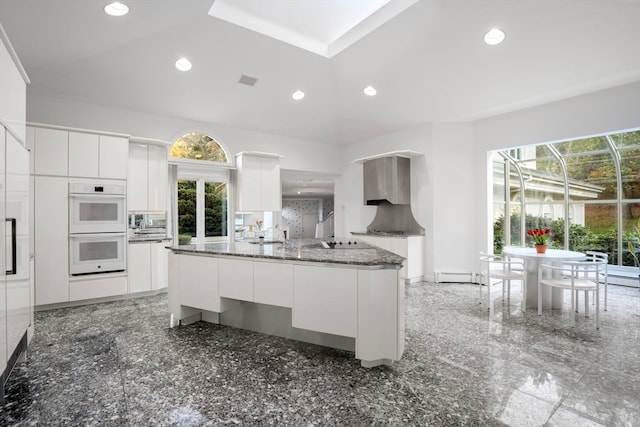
(149, 239)
(308, 250)
(385, 233)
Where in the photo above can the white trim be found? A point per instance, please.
(96, 132)
(14, 56)
(398, 153)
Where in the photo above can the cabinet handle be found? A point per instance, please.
(14, 264)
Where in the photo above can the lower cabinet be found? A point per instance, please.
(147, 266)
(236, 279)
(90, 287)
(273, 283)
(410, 247)
(193, 282)
(325, 299)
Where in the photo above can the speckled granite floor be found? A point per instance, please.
(118, 364)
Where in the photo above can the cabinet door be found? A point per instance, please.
(249, 188)
(83, 154)
(159, 265)
(97, 287)
(114, 152)
(273, 283)
(51, 152)
(18, 297)
(325, 299)
(271, 186)
(137, 179)
(14, 91)
(51, 237)
(236, 279)
(3, 248)
(198, 282)
(157, 178)
(139, 267)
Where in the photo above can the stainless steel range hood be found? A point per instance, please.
(387, 184)
(387, 179)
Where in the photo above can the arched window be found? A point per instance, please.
(198, 146)
(201, 181)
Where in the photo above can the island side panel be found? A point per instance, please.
(193, 286)
(380, 319)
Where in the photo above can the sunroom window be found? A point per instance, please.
(586, 190)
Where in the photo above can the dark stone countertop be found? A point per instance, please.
(385, 233)
(305, 250)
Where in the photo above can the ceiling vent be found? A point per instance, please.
(247, 80)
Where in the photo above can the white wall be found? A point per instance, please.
(298, 154)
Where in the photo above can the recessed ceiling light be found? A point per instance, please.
(370, 91)
(183, 64)
(116, 9)
(494, 36)
(298, 95)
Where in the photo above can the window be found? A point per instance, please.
(586, 190)
(201, 181)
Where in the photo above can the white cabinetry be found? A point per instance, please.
(139, 267)
(325, 299)
(258, 186)
(97, 156)
(409, 247)
(236, 279)
(273, 283)
(84, 150)
(194, 281)
(51, 152)
(15, 283)
(112, 158)
(147, 266)
(148, 177)
(13, 93)
(51, 229)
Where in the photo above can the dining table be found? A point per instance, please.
(551, 298)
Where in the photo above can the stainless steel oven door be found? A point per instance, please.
(97, 253)
(97, 213)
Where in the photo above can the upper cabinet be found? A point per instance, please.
(258, 186)
(148, 177)
(98, 156)
(60, 152)
(13, 90)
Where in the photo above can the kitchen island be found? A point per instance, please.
(349, 297)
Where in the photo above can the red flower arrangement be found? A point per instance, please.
(539, 235)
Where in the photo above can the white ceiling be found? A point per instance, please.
(429, 63)
(323, 27)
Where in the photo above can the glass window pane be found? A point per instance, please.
(628, 144)
(198, 146)
(631, 234)
(215, 202)
(187, 208)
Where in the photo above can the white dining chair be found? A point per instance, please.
(574, 276)
(604, 275)
(504, 269)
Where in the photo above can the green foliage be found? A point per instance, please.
(632, 241)
(198, 146)
(215, 211)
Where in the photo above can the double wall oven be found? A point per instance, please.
(97, 228)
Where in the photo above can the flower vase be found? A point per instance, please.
(541, 248)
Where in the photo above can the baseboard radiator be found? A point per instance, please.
(454, 277)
